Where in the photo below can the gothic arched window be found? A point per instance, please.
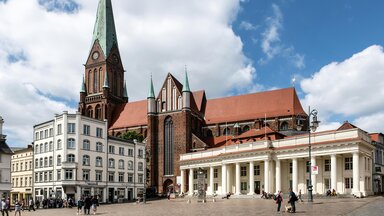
(284, 126)
(98, 112)
(168, 146)
(95, 81)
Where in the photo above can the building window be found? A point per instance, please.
(168, 146)
(227, 131)
(58, 160)
(284, 126)
(86, 145)
(140, 153)
(36, 149)
(37, 136)
(68, 174)
(121, 177)
(58, 175)
(111, 163)
(95, 81)
(121, 164)
(307, 167)
(244, 186)
(59, 146)
(59, 129)
(50, 176)
(99, 132)
(50, 161)
(327, 165)
(41, 177)
(86, 160)
(45, 161)
(243, 171)
(215, 186)
(99, 147)
(130, 177)
(71, 128)
(41, 148)
(140, 166)
(194, 174)
(41, 135)
(246, 128)
(130, 152)
(140, 178)
(46, 133)
(71, 158)
(41, 162)
(111, 149)
(130, 165)
(99, 175)
(348, 183)
(46, 147)
(256, 170)
(327, 183)
(36, 163)
(348, 163)
(121, 150)
(86, 129)
(215, 173)
(71, 143)
(111, 176)
(86, 175)
(36, 177)
(99, 161)
(50, 146)
(290, 168)
(50, 132)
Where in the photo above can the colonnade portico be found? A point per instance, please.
(346, 166)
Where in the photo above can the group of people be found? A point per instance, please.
(5, 206)
(292, 199)
(87, 203)
(331, 193)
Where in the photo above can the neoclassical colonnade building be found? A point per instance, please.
(343, 157)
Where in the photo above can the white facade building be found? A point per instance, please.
(74, 156)
(343, 157)
(5, 163)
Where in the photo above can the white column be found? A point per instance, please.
(294, 175)
(211, 176)
(266, 176)
(333, 172)
(182, 181)
(237, 179)
(190, 189)
(356, 172)
(313, 163)
(251, 178)
(278, 176)
(224, 179)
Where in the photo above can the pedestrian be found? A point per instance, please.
(8, 204)
(31, 205)
(80, 203)
(87, 205)
(37, 203)
(292, 199)
(95, 203)
(17, 208)
(299, 196)
(279, 200)
(4, 207)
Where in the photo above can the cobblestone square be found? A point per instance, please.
(344, 206)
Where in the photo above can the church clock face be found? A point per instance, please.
(95, 55)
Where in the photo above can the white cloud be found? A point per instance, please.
(154, 37)
(247, 26)
(353, 88)
(271, 43)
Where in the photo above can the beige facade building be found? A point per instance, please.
(22, 170)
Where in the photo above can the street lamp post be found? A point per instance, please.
(313, 127)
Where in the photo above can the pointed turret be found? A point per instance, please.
(104, 31)
(82, 90)
(186, 92)
(106, 81)
(151, 98)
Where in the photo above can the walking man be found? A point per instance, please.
(292, 200)
(279, 200)
(31, 205)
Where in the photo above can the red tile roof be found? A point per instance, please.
(255, 132)
(281, 102)
(346, 125)
(130, 114)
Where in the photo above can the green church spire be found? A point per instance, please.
(125, 89)
(104, 30)
(82, 90)
(151, 92)
(186, 82)
(106, 81)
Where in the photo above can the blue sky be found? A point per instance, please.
(332, 49)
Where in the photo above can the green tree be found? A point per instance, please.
(131, 135)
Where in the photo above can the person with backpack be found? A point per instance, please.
(279, 200)
(292, 199)
(80, 203)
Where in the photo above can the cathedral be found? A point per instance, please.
(177, 120)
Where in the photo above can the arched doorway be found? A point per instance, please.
(168, 186)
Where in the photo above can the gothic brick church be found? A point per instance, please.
(177, 120)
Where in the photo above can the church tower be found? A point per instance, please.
(103, 86)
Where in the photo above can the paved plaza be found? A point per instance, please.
(342, 206)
